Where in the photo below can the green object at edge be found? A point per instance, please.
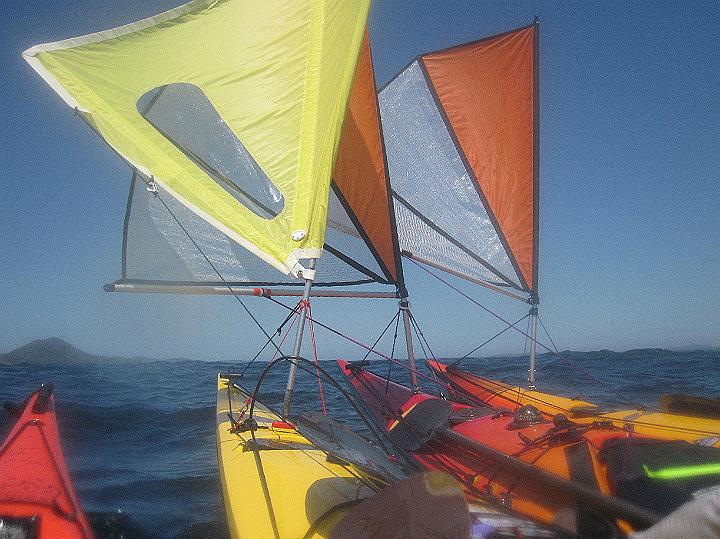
(683, 472)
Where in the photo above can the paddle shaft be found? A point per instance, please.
(589, 497)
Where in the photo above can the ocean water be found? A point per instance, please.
(139, 437)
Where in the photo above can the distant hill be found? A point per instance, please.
(52, 350)
(56, 350)
(633, 354)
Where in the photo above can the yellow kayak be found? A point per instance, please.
(664, 424)
(275, 482)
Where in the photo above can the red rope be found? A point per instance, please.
(365, 346)
(308, 314)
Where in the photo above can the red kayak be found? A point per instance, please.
(37, 499)
(588, 478)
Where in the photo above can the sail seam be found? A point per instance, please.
(126, 225)
(361, 230)
(452, 240)
(354, 264)
(399, 274)
(536, 160)
(471, 173)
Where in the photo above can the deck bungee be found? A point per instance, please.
(37, 498)
(581, 476)
(465, 386)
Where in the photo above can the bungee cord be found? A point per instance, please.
(507, 328)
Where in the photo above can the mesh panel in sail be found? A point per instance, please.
(427, 171)
(342, 235)
(156, 248)
(184, 115)
(420, 239)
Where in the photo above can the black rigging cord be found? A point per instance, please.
(361, 345)
(547, 333)
(396, 317)
(526, 339)
(421, 337)
(229, 287)
(313, 369)
(278, 331)
(507, 328)
(392, 354)
(527, 335)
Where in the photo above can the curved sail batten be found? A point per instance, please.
(274, 93)
(460, 126)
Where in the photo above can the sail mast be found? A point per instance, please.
(536, 202)
(308, 275)
(533, 346)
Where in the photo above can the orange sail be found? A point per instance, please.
(360, 175)
(461, 127)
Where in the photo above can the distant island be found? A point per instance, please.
(56, 350)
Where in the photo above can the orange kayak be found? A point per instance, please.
(37, 498)
(590, 479)
(690, 419)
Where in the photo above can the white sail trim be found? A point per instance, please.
(30, 54)
(286, 268)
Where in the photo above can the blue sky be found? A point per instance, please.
(629, 250)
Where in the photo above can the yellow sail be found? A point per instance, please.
(267, 79)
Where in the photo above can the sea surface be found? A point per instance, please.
(138, 435)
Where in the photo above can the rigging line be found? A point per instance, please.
(307, 366)
(296, 316)
(358, 343)
(392, 354)
(575, 385)
(504, 390)
(516, 479)
(466, 250)
(427, 343)
(442, 386)
(526, 341)
(308, 315)
(497, 389)
(542, 345)
(489, 340)
(278, 331)
(419, 340)
(234, 294)
(374, 392)
(487, 468)
(397, 315)
(547, 333)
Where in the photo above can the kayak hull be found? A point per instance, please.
(484, 449)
